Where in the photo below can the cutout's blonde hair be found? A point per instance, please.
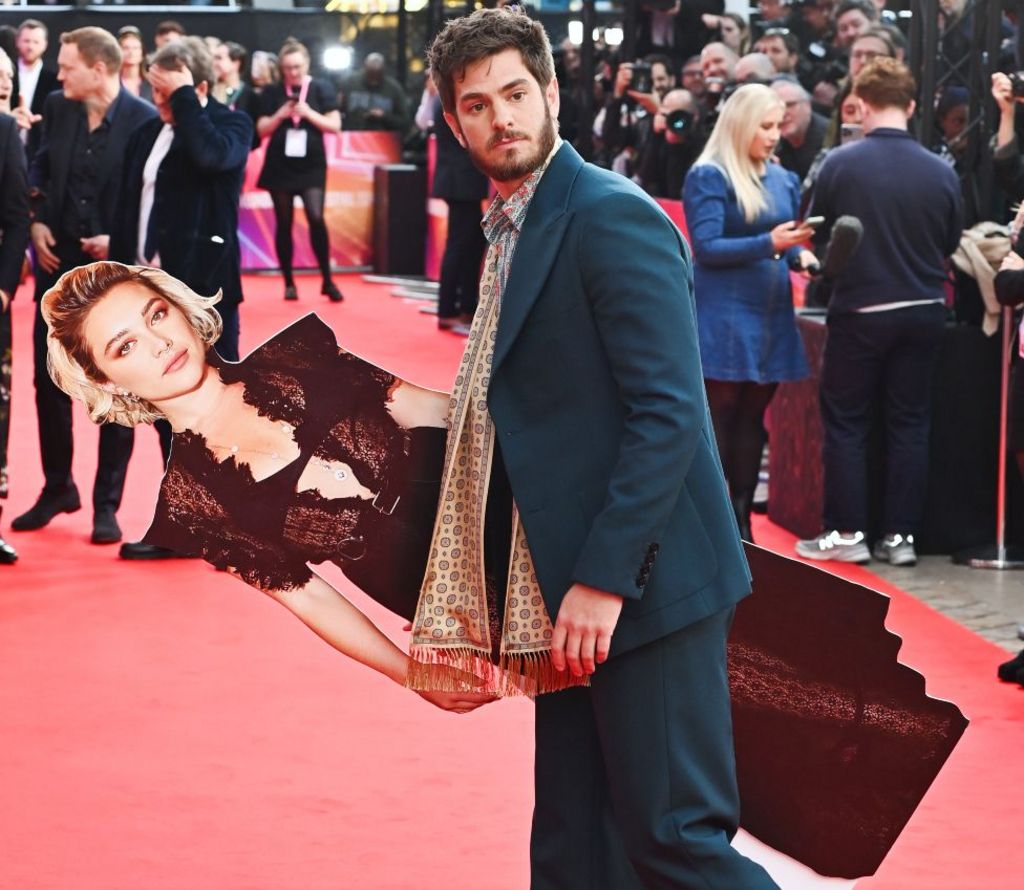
(728, 147)
(65, 307)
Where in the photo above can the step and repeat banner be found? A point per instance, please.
(348, 210)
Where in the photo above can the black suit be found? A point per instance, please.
(194, 220)
(13, 236)
(46, 84)
(463, 187)
(64, 127)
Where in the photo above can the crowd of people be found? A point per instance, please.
(763, 127)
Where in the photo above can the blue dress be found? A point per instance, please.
(745, 319)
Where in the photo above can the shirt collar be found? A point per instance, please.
(512, 212)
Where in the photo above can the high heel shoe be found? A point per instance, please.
(330, 290)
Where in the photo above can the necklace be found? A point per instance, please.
(234, 450)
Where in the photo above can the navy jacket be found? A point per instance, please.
(47, 84)
(51, 165)
(910, 205)
(195, 208)
(597, 395)
(13, 205)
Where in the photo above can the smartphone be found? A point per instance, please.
(813, 221)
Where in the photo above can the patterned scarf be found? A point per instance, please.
(451, 632)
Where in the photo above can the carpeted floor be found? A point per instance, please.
(164, 727)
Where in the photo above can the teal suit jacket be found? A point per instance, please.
(598, 399)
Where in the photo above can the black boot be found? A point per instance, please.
(742, 501)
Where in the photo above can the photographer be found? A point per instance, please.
(1008, 91)
(637, 93)
(673, 147)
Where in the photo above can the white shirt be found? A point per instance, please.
(149, 174)
(28, 80)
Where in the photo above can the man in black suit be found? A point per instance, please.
(35, 82)
(178, 205)
(13, 237)
(73, 182)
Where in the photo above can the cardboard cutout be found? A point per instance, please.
(836, 743)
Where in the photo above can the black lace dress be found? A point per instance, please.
(266, 530)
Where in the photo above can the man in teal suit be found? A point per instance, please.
(603, 441)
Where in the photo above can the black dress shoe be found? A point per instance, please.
(330, 290)
(48, 506)
(142, 550)
(291, 292)
(1012, 671)
(8, 555)
(105, 529)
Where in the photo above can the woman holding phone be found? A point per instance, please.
(296, 113)
(741, 211)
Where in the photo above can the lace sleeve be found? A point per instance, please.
(189, 519)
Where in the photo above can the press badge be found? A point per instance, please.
(295, 143)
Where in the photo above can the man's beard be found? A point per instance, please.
(516, 167)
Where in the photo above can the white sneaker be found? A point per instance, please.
(836, 546)
(897, 550)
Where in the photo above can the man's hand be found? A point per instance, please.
(43, 241)
(1002, 92)
(168, 80)
(24, 117)
(583, 631)
(98, 246)
(648, 101)
(5, 301)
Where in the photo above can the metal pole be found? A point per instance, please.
(402, 62)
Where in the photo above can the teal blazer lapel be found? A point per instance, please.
(537, 247)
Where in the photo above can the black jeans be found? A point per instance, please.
(877, 359)
(460, 266)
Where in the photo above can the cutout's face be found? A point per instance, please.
(503, 117)
(143, 343)
(766, 137)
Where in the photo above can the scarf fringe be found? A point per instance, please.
(464, 669)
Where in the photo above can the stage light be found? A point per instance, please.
(576, 33)
(337, 58)
(613, 36)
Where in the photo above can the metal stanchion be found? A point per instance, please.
(1000, 558)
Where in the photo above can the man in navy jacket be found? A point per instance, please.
(885, 318)
(73, 183)
(603, 441)
(178, 204)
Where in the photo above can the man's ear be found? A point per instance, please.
(553, 96)
(203, 89)
(911, 108)
(453, 124)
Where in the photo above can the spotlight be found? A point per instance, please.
(576, 33)
(613, 36)
(337, 58)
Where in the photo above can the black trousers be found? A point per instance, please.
(463, 254)
(53, 413)
(877, 359)
(636, 776)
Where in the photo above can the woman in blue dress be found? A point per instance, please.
(740, 210)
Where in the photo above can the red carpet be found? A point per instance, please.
(164, 727)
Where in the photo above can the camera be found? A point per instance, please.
(679, 121)
(641, 80)
(1017, 84)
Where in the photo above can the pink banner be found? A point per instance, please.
(348, 210)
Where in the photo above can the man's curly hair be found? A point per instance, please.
(480, 35)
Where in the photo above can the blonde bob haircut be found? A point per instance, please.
(728, 147)
(65, 307)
